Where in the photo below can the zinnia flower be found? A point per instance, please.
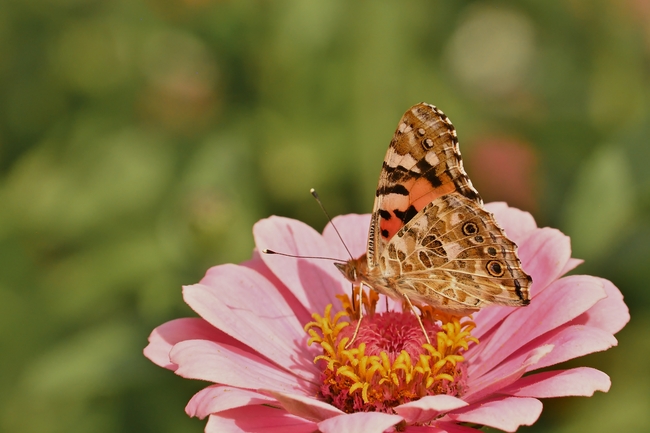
(257, 318)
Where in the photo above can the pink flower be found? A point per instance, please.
(251, 344)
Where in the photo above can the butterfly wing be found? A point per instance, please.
(430, 239)
(423, 163)
(453, 256)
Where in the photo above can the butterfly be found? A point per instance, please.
(430, 241)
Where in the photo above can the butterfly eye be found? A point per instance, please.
(494, 268)
(470, 228)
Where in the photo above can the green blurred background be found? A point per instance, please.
(141, 139)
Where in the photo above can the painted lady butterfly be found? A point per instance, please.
(430, 240)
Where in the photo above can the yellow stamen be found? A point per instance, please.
(355, 381)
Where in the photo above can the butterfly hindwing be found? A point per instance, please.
(455, 252)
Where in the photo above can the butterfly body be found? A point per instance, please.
(430, 240)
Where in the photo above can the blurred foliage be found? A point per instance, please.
(141, 139)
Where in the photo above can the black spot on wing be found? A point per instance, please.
(397, 174)
(384, 214)
(393, 189)
(406, 216)
(429, 173)
(518, 289)
(433, 179)
(468, 192)
(423, 165)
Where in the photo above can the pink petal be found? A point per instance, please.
(504, 375)
(571, 265)
(163, 338)
(609, 314)
(246, 306)
(256, 263)
(258, 419)
(366, 422)
(568, 342)
(227, 365)
(314, 282)
(218, 398)
(489, 318)
(582, 381)
(573, 342)
(504, 413)
(440, 427)
(544, 256)
(450, 427)
(428, 408)
(306, 407)
(564, 300)
(354, 231)
(518, 224)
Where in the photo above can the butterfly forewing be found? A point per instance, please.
(422, 163)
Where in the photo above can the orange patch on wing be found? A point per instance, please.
(392, 226)
(422, 194)
(390, 203)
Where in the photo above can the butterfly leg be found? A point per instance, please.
(417, 316)
(356, 330)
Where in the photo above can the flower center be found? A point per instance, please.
(390, 361)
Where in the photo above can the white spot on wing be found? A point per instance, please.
(452, 249)
(407, 161)
(432, 159)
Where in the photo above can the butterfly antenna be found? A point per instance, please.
(267, 251)
(315, 195)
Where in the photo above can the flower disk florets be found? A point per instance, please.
(389, 361)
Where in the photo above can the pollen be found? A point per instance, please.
(390, 361)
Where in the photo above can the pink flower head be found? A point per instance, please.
(250, 342)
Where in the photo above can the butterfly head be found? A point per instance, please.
(354, 270)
